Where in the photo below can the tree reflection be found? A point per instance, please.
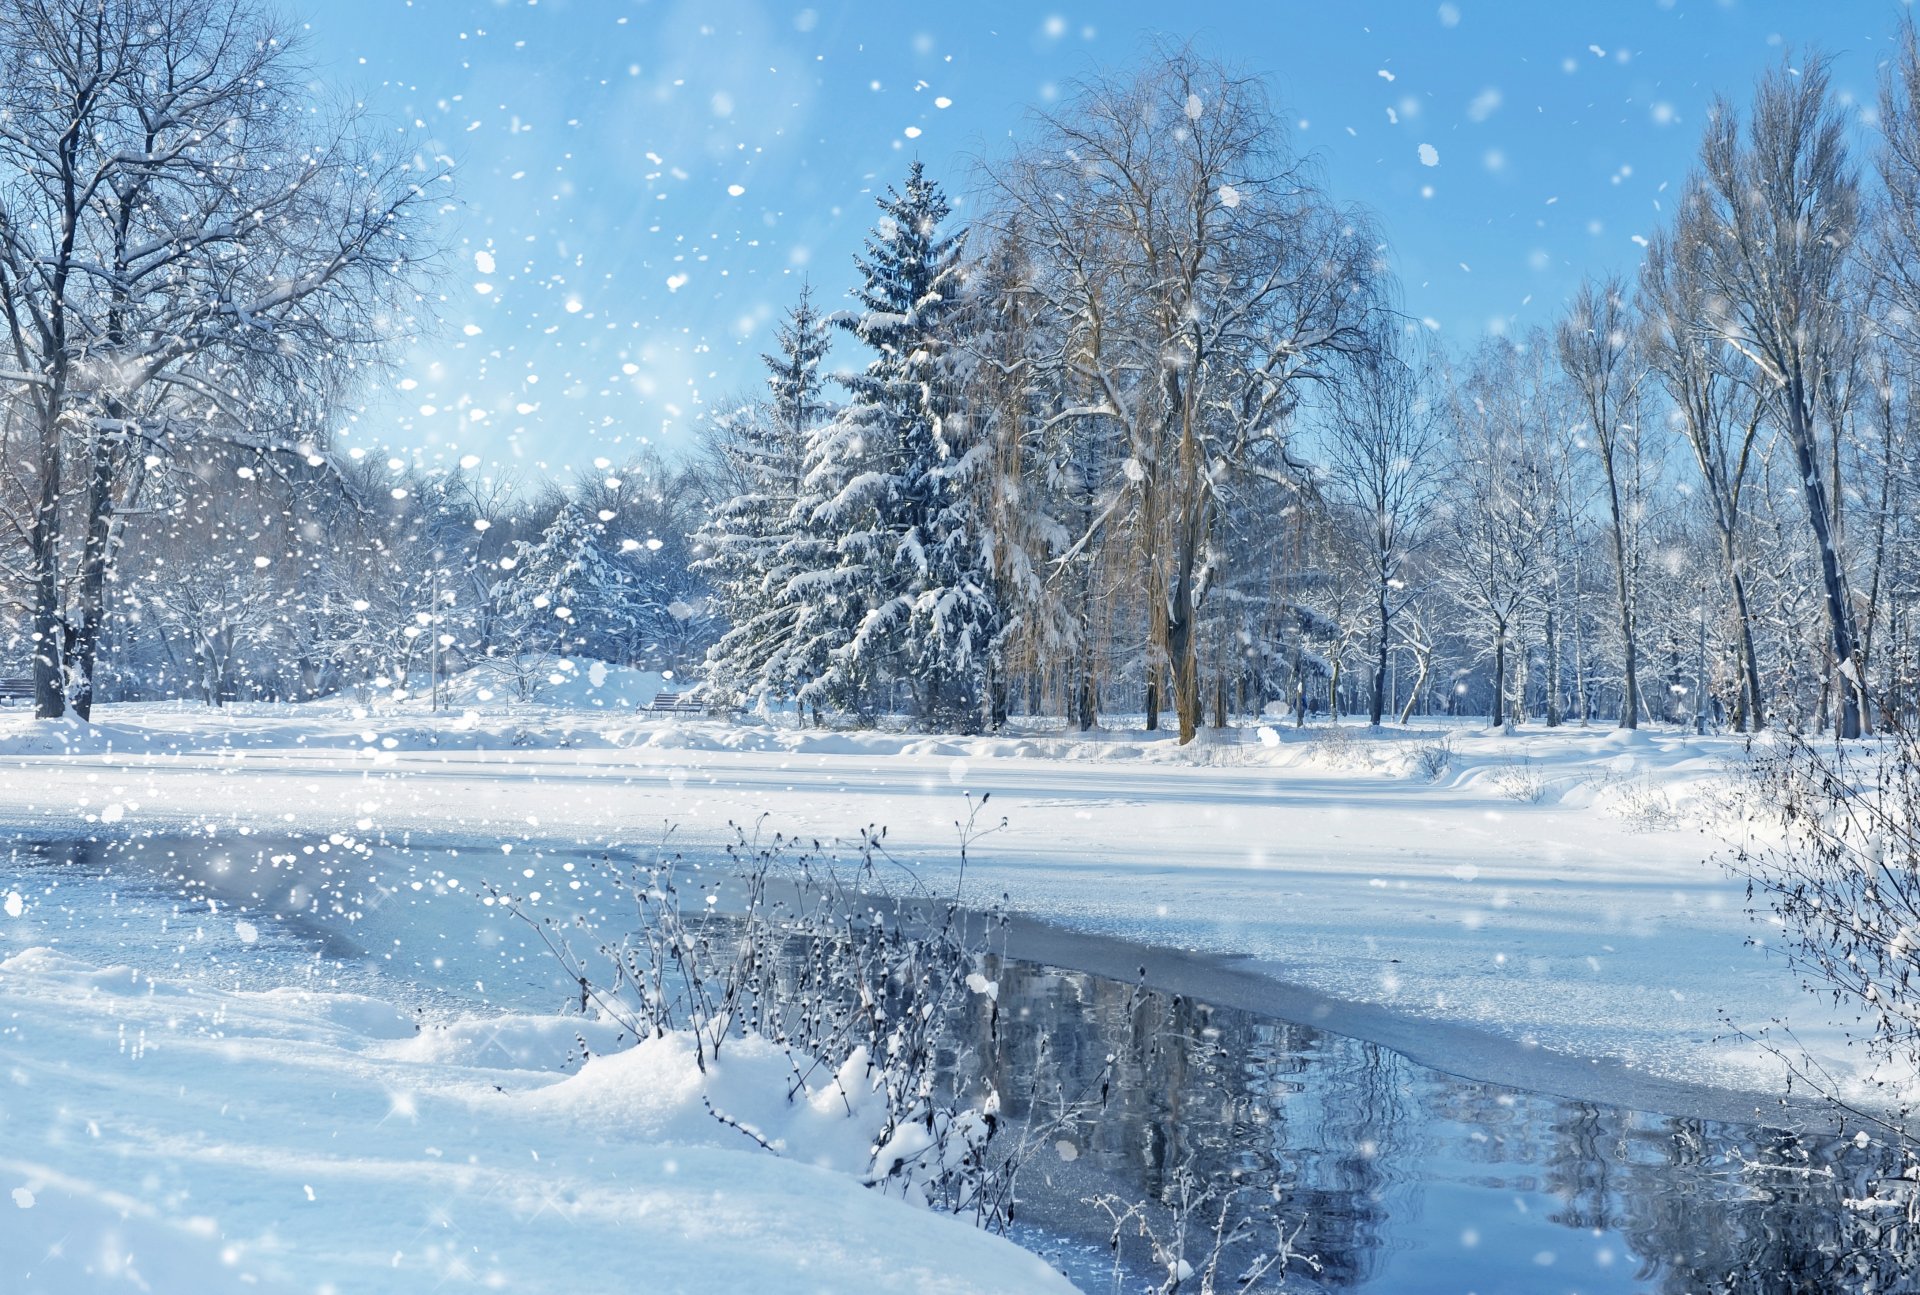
(1389, 1165)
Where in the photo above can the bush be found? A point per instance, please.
(862, 985)
(1643, 806)
(1334, 744)
(1431, 760)
(1838, 864)
(1522, 781)
(1843, 873)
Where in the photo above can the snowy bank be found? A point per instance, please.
(1550, 887)
(161, 1135)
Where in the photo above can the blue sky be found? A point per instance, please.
(643, 183)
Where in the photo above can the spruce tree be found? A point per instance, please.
(755, 543)
(567, 594)
(897, 481)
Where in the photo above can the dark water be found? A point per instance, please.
(1399, 1179)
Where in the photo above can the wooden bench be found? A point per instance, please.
(17, 688)
(683, 701)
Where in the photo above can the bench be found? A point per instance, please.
(17, 688)
(684, 701)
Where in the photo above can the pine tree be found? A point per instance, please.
(754, 544)
(567, 594)
(897, 477)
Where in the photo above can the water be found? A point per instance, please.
(1406, 1179)
(1400, 1179)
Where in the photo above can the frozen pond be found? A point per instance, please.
(1402, 1178)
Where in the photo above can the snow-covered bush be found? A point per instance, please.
(1837, 860)
(1337, 747)
(1431, 760)
(1521, 780)
(866, 984)
(1644, 806)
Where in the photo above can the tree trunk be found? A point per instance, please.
(49, 630)
(1749, 707)
(1839, 614)
(1630, 703)
(1186, 677)
(1182, 614)
(1500, 676)
(1419, 682)
(1085, 710)
(1379, 706)
(95, 555)
(1581, 697)
(1522, 681)
(998, 701)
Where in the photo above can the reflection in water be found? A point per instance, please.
(1409, 1180)
(1402, 1179)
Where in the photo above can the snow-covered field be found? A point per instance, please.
(1547, 895)
(159, 1135)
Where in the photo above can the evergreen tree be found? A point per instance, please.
(897, 478)
(567, 594)
(754, 543)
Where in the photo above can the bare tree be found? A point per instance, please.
(188, 249)
(1203, 277)
(1384, 443)
(1598, 351)
(1718, 410)
(1497, 507)
(1896, 267)
(1777, 210)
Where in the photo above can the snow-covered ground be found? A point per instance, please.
(159, 1134)
(1548, 889)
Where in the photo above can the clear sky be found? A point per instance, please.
(643, 183)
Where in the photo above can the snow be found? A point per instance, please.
(293, 1141)
(1551, 887)
(1547, 898)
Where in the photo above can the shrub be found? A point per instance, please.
(1335, 745)
(858, 972)
(1431, 760)
(1521, 780)
(1837, 861)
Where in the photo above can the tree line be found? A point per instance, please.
(1149, 433)
(1152, 435)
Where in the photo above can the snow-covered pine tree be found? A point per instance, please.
(566, 593)
(754, 543)
(904, 466)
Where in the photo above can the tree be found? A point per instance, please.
(1384, 452)
(753, 542)
(566, 593)
(1009, 393)
(1497, 506)
(1776, 214)
(1719, 413)
(1598, 350)
(903, 465)
(1204, 279)
(188, 250)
